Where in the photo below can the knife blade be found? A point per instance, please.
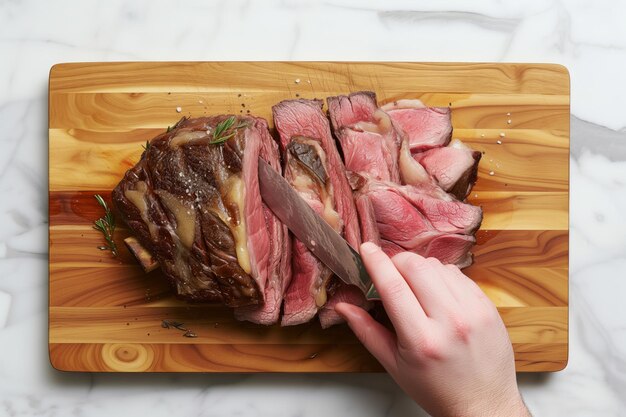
(313, 231)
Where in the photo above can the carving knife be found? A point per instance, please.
(313, 231)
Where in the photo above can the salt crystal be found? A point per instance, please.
(482, 135)
(509, 121)
(297, 80)
(312, 242)
(491, 173)
(179, 109)
(508, 114)
(308, 81)
(499, 142)
(200, 101)
(475, 195)
(502, 134)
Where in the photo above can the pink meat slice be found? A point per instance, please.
(409, 219)
(424, 127)
(345, 294)
(304, 118)
(454, 167)
(368, 140)
(279, 253)
(367, 219)
(309, 275)
(441, 210)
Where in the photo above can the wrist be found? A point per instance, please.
(512, 406)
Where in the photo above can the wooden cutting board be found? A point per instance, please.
(106, 314)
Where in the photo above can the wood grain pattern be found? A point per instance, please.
(105, 313)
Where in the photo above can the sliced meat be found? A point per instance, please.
(454, 167)
(367, 219)
(305, 169)
(442, 210)
(438, 208)
(305, 118)
(427, 222)
(279, 257)
(195, 205)
(450, 249)
(315, 170)
(346, 294)
(368, 141)
(424, 127)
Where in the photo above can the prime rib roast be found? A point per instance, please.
(390, 175)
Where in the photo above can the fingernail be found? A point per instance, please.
(368, 248)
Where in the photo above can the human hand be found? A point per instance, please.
(450, 352)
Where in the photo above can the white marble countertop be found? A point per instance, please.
(588, 37)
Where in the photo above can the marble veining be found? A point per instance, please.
(587, 37)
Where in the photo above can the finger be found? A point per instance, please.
(374, 336)
(403, 309)
(424, 278)
(471, 292)
(455, 281)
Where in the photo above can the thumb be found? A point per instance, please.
(375, 337)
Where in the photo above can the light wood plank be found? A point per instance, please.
(102, 112)
(260, 76)
(216, 325)
(530, 357)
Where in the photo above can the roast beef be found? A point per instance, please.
(368, 141)
(305, 169)
(193, 200)
(424, 127)
(428, 222)
(313, 166)
(419, 216)
(195, 205)
(453, 167)
(279, 260)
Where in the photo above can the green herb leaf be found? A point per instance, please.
(147, 145)
(225, 130)
(106, 225)
(177, 124)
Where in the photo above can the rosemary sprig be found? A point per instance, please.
(221, 133)
(106, 225)
(178, 123)
(167, 324)
(147, 145)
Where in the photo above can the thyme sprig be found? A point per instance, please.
(225, 130)
(168, 324)
(106, 225)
